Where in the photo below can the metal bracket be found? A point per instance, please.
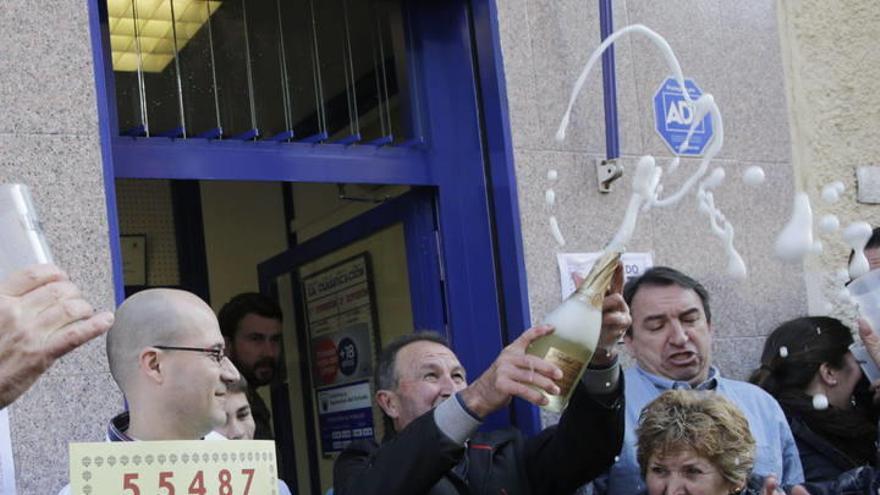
(608, 171)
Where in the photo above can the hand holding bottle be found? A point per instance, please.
(615, 320)
(514, 373)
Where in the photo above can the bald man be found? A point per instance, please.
(166, 354)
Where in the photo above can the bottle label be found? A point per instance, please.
(570, 366)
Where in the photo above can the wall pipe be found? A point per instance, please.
(609, 81)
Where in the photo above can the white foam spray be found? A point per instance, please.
(832, 191)
(550, 197)
(856, 235)
(552, 174)
(646, 183)
(829, 224)
(820, 402)
(754, 176)
(783, 352)
(557, 234)
(796, 238)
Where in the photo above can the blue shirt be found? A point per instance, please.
(776, 451)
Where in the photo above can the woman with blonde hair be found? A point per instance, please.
(695, 443)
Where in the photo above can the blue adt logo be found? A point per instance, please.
(673, 117)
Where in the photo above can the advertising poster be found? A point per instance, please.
(342, 330)
(574, 267)
(345, 414)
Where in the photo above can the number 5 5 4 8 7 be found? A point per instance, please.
(241, 485)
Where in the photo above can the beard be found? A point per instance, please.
(261, 373)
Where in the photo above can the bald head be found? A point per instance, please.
(149, 318)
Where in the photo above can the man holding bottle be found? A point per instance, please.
(671, 341)
(431, 443)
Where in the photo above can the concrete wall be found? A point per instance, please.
(834, 108)
(49, 140)
(732, 49)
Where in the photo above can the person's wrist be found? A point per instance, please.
(474, 401)
(604, 357)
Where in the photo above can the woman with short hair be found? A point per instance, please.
(697, 443)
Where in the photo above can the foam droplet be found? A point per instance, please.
(736, 461)
(820, 402)
(550, 197)
(830, 194)
(818, 331)
(829, 224)
(783, 352)
(617, 458)
(754, 176)
(607, 384)
(856, 236)
(552, 174)
(715, 178)
(736, 267)
(796, 238)
(557, 234)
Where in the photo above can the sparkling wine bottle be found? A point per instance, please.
(577, 321)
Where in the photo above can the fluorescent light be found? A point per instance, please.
(155, 31)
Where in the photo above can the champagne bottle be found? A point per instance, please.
(577, 323)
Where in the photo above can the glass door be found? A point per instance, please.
(344, 294)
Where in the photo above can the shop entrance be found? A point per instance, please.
(344, 294)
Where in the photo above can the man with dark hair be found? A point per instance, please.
(431, 444)
(251, 326)
(671, 341)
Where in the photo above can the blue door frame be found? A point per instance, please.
(458, 75)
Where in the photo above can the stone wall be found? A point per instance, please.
(832, 64)
(733, 51)
(49, 140)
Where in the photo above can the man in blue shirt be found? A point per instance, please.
(671, 341)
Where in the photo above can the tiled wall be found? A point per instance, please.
(49, 140)
(732, 49)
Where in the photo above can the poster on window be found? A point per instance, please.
(345, 415)
(341, 320)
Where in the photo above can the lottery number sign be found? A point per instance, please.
(174, 468)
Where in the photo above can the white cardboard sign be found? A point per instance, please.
(573, 267)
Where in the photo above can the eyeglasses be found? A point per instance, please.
(217, 354)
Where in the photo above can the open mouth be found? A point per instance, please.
(683, 358)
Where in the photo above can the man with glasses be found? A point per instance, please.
(166, 353)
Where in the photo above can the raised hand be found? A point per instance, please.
(42, 317)
(615, 321)
(513, 373)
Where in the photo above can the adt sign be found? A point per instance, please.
(673, 117)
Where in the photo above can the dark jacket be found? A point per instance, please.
(421, 459)
(821, 460)
(860, 481)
